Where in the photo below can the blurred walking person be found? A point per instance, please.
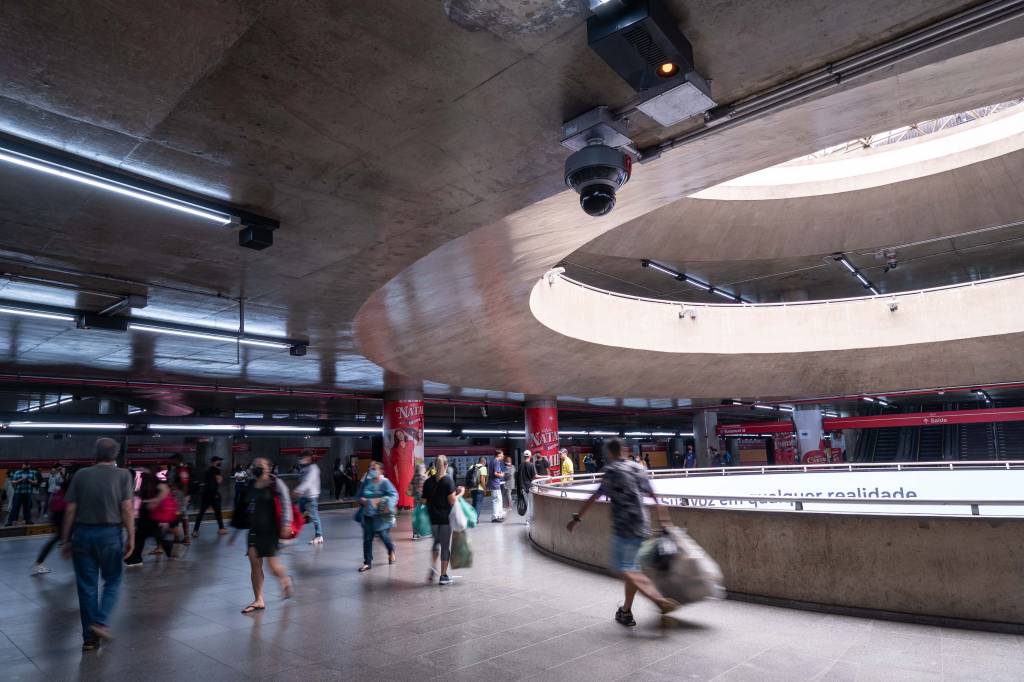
(210, 497)
(258, 513)
(625, 483)
(419, 478)
(56, 504)
(53, 484)
(378, 499)
(527, 472)
(440, 495)
(157, 510)
(338, 479)
(99, 504)
(308, 492)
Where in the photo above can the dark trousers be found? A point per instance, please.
(146, 528)
(478, 498)
(214, 502)
(97, 551)
(58, 521)
(20, 502)
(339, 486)
(368, 533)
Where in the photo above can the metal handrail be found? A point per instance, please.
(789, 304)
(544, 486)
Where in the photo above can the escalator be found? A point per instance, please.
(887, 445)
(977, 442)
(1009, 440)
(930, 441)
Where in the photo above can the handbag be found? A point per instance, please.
(461, 553)
(521, 504)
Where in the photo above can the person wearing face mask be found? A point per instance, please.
(22, 482)
(378, 499)
(258, 513)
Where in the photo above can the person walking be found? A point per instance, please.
(157, 509)
(210, 496)
(56, 505)
(625, 483)
(179, 478)
(508, 488)
(439, 495)
(378, 500)
(476, 483)
(352, 477)
(690, 458)
(419, 478)
(308, 492)
(495, 479)
(99, 504)
(23, 481)
(257, 512)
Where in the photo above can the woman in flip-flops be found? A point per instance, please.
(257, 511)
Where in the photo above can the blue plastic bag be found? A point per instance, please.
(421, 520)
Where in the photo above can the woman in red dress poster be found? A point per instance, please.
(399, 463)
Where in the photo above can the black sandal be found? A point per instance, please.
(252, 608)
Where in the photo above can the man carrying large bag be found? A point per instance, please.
(625, 484)
(680, 568)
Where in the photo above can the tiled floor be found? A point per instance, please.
(515, 615)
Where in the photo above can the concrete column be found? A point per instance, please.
(706, 442)
(216, 446)
(402, 433)
(807, 420)
(542, 428)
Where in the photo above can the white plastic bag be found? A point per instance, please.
(688, 575)
(457, 519)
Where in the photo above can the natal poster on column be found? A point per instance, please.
(403, 445)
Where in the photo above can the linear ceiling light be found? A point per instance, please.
(486, 432)
(195, 427)
(864, 281)
(262, 428)
(572, 433)
(60, 426)
(357, 429)
(61, 401)
(437, 431)
(36, 313)
(691, 280)
(209, 335)
(604, 433)
(765, 407)
(109, 184)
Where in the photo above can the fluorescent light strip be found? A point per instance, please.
(862, 279)
(438, 431)
(210, 336)
(686, 434)
(357, 429)
(873, 290)
(261, 428)
(849, 266)
(737, 402)
(662, 268)
(764, 407)
(867, 399)
(785, 408)
(75, 175)
(36, 313)
(603, 433)
(106, 426)
(62, 401)
(485, 432)
(638, 433)
(11, 435)
(699, 284)
(572, 433)
(724, 294)
(662, 433)
(195, 427)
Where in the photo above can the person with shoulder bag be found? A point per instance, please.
(265, 511)
(378, 500)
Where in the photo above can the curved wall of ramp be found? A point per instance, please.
(947, 568)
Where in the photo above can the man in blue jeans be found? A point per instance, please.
(308, 492)
(99, 503)
(495, 477)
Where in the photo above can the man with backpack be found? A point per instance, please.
(495, 476)
(476, 482)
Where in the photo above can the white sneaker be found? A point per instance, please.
(318, 540)
(40, 570)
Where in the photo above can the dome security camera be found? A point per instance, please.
(596, 172)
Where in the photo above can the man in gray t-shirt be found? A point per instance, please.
(99, 503)
(626, 484)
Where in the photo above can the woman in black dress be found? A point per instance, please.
(257, 512)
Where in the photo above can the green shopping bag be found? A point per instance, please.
(468, 510)
(421, 520)
(462, 555)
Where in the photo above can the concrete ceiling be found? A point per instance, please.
(375, 136)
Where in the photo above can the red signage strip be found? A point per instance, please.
(882, 421)
(754, 428)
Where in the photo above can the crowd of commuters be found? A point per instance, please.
(104, 516)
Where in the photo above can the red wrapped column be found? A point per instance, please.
(403, 441)
(542, 430)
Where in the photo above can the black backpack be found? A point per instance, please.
(473, 477)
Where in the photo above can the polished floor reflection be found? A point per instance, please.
(515, 615)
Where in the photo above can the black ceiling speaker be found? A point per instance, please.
(641, 41)
(256, 237)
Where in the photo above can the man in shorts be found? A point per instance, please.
(625, 484)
